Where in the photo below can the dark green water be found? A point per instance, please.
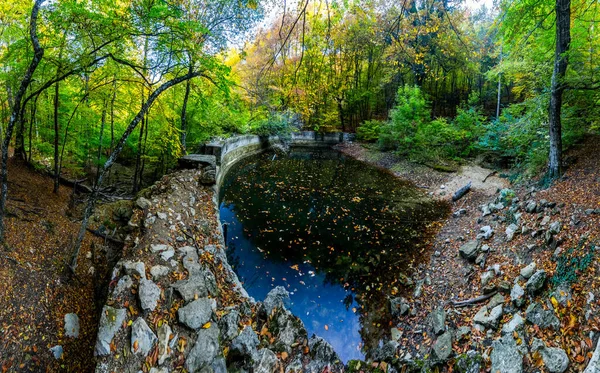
(335, 232)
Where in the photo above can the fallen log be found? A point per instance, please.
(461, 192)
(468, 302)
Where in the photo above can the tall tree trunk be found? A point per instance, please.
(103, 122)
(184, 114)
(138, 158)
(563, 39)
(56, 160)
(499, 88)
(31, 124)
(20, 136)
(16, 109)
(112, 115)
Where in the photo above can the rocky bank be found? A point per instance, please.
(175, 305)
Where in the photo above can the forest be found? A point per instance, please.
(412, 76)
(100, 100)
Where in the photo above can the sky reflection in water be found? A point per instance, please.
(333, 231)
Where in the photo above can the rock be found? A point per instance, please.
(486, 277)
(229, 325)
(527, 272)
(399, 306)
(265, 361)
(110, 323)
(504, 287)
(554, 227)
(480, 260)
(134, 268)
(164, 337)
(197, 313)
(470, 250)
(168, 254)
(517, 295)
(159, 370)
(57, 352)
(496, 269)
(510, 232)
(535, 282)
(515, 324)
(277, 298)
(589, 211)
(537, 315)
(71, 325)
(418, 289)
(386, 352)
(142, 337)
(562, 293)
(143, 203)
(496, 300)
(198, 285)
(506, 357)
(531, 207)
(124, 283)
(244, 345)
(190, 261)
(205, 349)
(485, 210)
(323, 356)
(545, 220)
(149, 294)
(437, 318)
(159, 271)
(488, 320)
(469, 362)
(462, 332)
(555, 359)
(486, 233)
(158, 248)
(594, 364)
(442, 348)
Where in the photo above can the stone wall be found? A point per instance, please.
(176, 305)
(229, 151)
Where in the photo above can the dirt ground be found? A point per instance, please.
(35, 291)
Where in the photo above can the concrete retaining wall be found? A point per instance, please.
(231, 150)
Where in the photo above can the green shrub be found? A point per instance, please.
(572, 262)
(369, 130)
(410, 112)
(470, 126)
(280, 124)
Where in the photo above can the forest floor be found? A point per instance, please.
(571, 291)
(35, 290)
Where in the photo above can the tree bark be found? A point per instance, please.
(563, 39)
(16, 109)
(184, 114)
(56, 161)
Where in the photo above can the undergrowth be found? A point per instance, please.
(572, 262)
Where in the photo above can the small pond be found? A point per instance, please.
(338, 234)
